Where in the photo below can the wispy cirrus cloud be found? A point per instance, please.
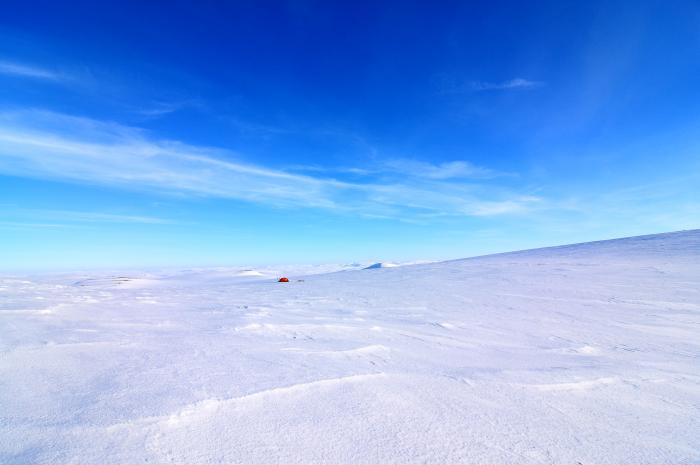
(458, 169)
(73, 216)
(37, 218)
(161, 108)
(450, 85)
(12, 68)
(49, 145)
(25, 225)
(517, 83)
(407, 167)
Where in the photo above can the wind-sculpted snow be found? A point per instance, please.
(585, 354)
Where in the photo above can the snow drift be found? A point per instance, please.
(375, 266)
(584, 354)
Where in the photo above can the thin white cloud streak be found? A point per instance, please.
(162, 108)
(517, 83)
(458, 169)
(93, 217)
(403, 167)
(21, 70)
(48, 145)
(30, 218)
(84, 216)
(23, 225)
(448, 85)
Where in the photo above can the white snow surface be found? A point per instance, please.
(585, 354)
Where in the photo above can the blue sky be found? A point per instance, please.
(231, 133)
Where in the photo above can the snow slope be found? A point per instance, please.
(584, 354)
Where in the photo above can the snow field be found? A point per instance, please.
(586, 354)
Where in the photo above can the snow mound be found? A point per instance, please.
(249, 273)
(381, 265)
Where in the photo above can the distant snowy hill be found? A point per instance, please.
(580, 354)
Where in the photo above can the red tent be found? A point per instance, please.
(283, 280)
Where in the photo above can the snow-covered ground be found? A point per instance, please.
(585, 354)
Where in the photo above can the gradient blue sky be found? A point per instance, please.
(224, 133)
